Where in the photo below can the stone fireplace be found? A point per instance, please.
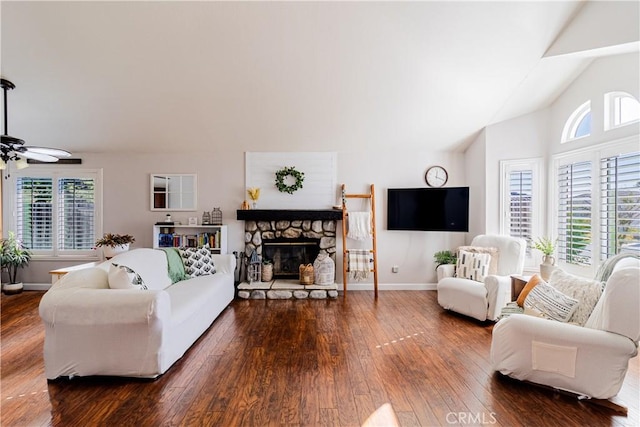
(289, 238)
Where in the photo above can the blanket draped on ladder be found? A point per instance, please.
(359, 263)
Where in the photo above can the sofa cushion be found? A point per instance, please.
(473, 266)
(552, 303)
(494, 252)
(123, 277)
(586, 291)
(197, 261)
(150, 264)
(533, 281)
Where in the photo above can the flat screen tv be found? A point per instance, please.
(428, 209)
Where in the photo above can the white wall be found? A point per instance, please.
(221, 184)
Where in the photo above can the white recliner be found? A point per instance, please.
(483, 300)
(589, 360)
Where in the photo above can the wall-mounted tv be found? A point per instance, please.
(428, 209)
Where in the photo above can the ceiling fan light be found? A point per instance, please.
(21, 163)
(3, 164)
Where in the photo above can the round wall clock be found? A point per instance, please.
(436, 176)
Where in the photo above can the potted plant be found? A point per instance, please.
(14, 256)
(113, 244)
(547, 247)
(443, 258)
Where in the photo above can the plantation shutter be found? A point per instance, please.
(35, 212)
(520, 205)
(620, 204)
(76, 213)
(574, 213)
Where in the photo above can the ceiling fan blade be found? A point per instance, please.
(11, 141)
(38, 156)
(49, 151)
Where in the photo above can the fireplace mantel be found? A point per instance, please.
(289, 214)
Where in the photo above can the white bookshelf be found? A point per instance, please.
(185, 232)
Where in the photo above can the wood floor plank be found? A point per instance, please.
(300, 363)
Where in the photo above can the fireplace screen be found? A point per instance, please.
(287, 255)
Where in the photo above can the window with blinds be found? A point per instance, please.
(520, 205)
(620, 204)
(574, 213)
(56, 214)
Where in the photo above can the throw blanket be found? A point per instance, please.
(359, 263)
(359, 225)
(175, 265)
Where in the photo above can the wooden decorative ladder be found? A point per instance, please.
(345, 250)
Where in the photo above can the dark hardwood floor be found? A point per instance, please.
(306, 363)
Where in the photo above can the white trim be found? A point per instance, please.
(571, 125)
(536, 166)
(610, 111)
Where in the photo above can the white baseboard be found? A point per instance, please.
(352, 286)
(37, 286)
(389, 286)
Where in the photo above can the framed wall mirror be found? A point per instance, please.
(173, 192)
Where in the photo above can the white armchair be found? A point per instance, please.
(589, 360)
(483, 300)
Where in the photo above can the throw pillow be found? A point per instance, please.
(123, 277)
(535, 279)
(585, 290)
(552, 303)
(494, 252)
(473, 266)
(197, 261)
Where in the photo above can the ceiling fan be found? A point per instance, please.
(12, 148)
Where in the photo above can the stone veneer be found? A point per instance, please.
(258, 231)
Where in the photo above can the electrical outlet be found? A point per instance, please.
(395, 269)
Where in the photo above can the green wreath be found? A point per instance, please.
(283, 173)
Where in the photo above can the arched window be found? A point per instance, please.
(579, 123)
(620, 109)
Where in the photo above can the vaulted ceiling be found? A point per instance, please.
(292, 76)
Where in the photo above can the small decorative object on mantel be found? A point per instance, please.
(547, 247)
(289, 174)
(216, 216)
(245, 206)
(254, 195)
(206, 218)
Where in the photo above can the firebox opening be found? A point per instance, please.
(287, 255)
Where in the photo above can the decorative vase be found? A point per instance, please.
(547, 267)
(267, 272)
(12, 288)
(111, 251)
(324, 270)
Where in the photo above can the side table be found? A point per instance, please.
(518, 282)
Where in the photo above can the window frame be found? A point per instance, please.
(594, 154)
(535, 165)
(56, 172)
(574, 120)
(610, 111)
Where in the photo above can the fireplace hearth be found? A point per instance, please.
(289, 238)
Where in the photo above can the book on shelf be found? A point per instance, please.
(190, 240)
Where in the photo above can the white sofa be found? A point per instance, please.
(483, 300)
(91, 329)
(589, 360)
